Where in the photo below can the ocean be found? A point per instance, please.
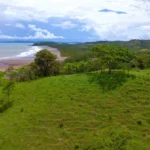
(17, 50)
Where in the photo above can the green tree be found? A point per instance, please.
(142, 60)
(8, 88)
(45, 62)
(30, 72)
(108, 54)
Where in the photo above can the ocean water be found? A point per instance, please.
(17, 50)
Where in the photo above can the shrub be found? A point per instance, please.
(46, 63)
(8, 88)
(81, 67)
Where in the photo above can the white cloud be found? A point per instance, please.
(30, 37)
(147, 27)
(85, 28)
(39, 34)
(8, 24)
(19, 25)
(42, 33)
(65, 25)
(105, 25)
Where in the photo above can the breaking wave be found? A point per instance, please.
(30, 53)
(33, 50)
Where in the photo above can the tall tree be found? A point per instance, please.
(109, 54)
(45, 61)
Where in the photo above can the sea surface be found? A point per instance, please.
(17, 50)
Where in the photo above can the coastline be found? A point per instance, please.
(23, 61)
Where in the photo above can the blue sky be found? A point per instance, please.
(74, 20)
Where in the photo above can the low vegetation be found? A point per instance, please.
(7, 88)
(102, 56)
(100, 101)
(44, 65)
(69, 112)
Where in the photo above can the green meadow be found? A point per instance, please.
(70, 112)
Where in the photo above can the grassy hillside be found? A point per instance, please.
(69, 112)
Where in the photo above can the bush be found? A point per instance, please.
(26, 73)
(8, 88)
(45, 65)
(81, 67)
(110, 82)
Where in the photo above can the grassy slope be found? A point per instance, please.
(60, 112)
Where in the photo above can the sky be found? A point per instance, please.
(74, 20)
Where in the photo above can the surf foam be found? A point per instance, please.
(30, 53)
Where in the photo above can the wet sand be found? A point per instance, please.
(19, 62)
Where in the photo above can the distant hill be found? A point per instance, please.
(135, 45)
(67, 49)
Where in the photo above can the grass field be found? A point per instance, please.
(69, 112)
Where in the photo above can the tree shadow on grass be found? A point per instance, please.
(4, 105)
(110, 82)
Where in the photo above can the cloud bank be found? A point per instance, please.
(103, 20)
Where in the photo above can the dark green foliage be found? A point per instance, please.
(45, 65)
(76, 147)
(81, 67)
(79, 57)
(1, 77)
(110, 81)
(29, 72)
(142, 60)
(139, 122)
(4, 105)
(81, 52)
(71, 49)
(55, 70)
(45, 62)
(11, 73)
(8, 88)
(22, 110)
(26, 73)
(109, 54)
(61, 125)
(134, 45)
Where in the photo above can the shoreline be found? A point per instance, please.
(23, 61)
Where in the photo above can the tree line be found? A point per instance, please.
(100, 57)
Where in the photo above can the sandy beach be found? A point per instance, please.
(19, 62)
